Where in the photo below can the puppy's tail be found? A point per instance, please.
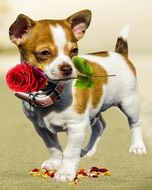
(122, 45)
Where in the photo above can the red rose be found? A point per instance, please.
(25, 78)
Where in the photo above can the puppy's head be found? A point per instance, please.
(50, 44)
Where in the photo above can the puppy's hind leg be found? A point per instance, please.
(130, 107)
(97, 126)
(52, 143)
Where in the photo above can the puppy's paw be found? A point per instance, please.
(51, 164)
(88, 154)
(90, 151)
(138, 149)
(83, 152)
(65, 174)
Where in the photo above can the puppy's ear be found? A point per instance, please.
(79, 22)
(20, 29)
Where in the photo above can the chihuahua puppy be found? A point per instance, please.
(50, 45)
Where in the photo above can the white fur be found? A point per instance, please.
(55, 161)
(137, 145)
(71, 154)
(60, 40)
(59, 37)
(124, 32)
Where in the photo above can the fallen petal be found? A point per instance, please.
(50, 173)
(82, 173)
(107, 173)
(103, 170)
(94, 174)
(93, 169)
(35, 170)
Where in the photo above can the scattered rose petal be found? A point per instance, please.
(44, 176)
(82, 173)
(34, 174)
(108, 173)
(35, 170)
(94, 169)
(50, 173)
(94, 172)
(103, 170)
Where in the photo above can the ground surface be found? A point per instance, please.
(21, 149)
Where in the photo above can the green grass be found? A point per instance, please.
(21, 149)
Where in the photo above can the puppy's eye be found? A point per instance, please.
(74, 51)
(44, 53)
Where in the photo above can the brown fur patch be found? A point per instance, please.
(40, 37)
(97, 90)
(83, 96)
(122, 47)
(101, 54)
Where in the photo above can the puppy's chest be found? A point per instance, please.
(62, 119)
(50, 117)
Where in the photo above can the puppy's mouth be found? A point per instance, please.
(61, 73)
(59, 77)
(64, 79)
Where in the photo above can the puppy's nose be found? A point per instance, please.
(66, 70)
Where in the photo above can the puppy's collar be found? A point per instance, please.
(48, 96)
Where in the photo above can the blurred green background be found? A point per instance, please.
(20, 147)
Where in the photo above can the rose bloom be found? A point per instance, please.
(25, 78)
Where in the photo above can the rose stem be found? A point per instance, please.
(57, 80)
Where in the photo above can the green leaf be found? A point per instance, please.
(83, 66)
(84, 82)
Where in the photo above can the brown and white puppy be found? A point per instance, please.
(51, 44)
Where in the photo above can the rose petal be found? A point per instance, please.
(25, 78)
(103, 170)
(50, 173)
(108, 173)
(36, 170)
(94, 174)
(93, 169)
(44, 176)
(82, 173)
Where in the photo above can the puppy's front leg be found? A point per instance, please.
(71, 154)
(52, 143)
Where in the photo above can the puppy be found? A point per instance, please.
(50, 45)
